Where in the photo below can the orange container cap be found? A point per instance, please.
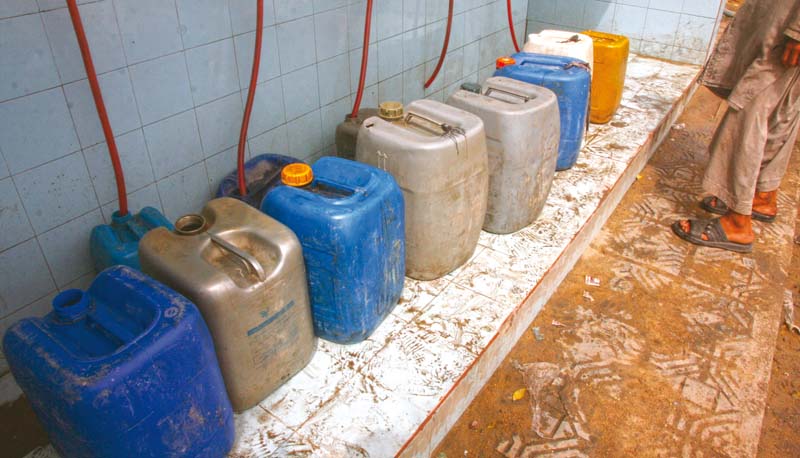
(504, 61)
(297, 174)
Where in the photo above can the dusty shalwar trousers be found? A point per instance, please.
(752, 146)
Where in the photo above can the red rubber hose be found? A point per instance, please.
(364, 59)
(444, 46)
(251, 95)
(511, 26)
(91, 74)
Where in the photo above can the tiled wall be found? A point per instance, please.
(679, 30)
(174, 75)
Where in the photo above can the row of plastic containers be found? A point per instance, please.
(229, 301)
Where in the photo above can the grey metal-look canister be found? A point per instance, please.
(522, 133)
(245, 272)
(437, 154)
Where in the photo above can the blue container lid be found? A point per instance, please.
(71, 304)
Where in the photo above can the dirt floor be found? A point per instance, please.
(780, 433)
(669, 355)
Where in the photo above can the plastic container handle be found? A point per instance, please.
(525, 98)
(545, 59)
(249, 260)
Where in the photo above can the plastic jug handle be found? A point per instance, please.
(446, 128)
(524, 98)
(251, 262)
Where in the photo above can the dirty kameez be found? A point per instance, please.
(753, 143)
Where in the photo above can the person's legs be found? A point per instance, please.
(784, 124)
(750, 148)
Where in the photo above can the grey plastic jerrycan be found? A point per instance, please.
(437, 154)
(245, 272)
(522, 132)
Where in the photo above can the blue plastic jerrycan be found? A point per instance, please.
(118, 243)
(126, 369)
(570, 80)
(350, 219)
(261, 174)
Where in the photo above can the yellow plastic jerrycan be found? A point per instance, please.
(610, 65)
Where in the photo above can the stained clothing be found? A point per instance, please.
(747, 58)
(753, 143)
(752, 146)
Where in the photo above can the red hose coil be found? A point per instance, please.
(364, 59)
(444, 45)
(91, 74)
(251, 95)
(511, 26)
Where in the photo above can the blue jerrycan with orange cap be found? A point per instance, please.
(261, 174)
(570, 80)
(125, 369)
(350, 219)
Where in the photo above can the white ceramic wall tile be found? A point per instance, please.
(693, 31)
(243, 15)
(56, 192)
(356, 12)
(11, 8)
(102, 33)
(269, 67)
(388, 15)
(36, 129)
(66, 247)
(212, 71)
(413, 14)
(203, 21)
(670, 29)
(120, 105)
(173, 143)
(135, 163)
(149, 28)
(25, 276)
(305, 135)
(26, 63)
(300, 92)
(332, 115)
(661, 26)
(162, 87)
(287, 10)
(704, 8)
(297, 44)
(13, 219)
(219, 166)
(219, 123)
(355, 67)
(273, 141)
(330, 30)
(184, 192)
(391, 89)
(334, 79)
(268, 107)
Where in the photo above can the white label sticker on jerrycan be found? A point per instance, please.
(437, 154)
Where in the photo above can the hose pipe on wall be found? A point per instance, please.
(511, 25)
(444, 45)
(364, 59)
(97, 95)
(251, 94)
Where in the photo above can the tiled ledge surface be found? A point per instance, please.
(398, 392)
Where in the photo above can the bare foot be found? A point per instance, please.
(738, 228)
(766, 203)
